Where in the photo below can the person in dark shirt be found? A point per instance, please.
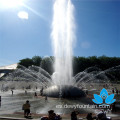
(35, 94)
(74, 115)
(26, 108)
(89, 116)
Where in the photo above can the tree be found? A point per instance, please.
(26, 62)
(75, 65)
(79, 63)
(47, 64)
(36, 60)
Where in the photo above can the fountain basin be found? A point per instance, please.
(64, 91)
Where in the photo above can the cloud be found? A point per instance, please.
(85, 45)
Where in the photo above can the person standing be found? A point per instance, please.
(26, 108)
(25, 92)
(74, 115)
(35, 94)
(0, 101)
(46, 98)
(117, 91)
(41, 91)
(12, 92)
(113, 90)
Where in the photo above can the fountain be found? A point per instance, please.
(38, 75)
(92, 78)
(63, 38)
(61, 83)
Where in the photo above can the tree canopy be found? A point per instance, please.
(79, 63)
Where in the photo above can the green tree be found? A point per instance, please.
(75, 65)
(26, 62)
(36, 60)
(47, 64)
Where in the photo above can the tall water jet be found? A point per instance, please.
(63, 39)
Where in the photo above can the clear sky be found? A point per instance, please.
(25, 29)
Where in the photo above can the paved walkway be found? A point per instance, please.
(13, 118)
(19, 116)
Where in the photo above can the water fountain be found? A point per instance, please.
(63, 38)
(36, 76)
(61, 83)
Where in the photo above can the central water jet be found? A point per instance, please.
(63, 38)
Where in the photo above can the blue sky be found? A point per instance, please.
(97, 29)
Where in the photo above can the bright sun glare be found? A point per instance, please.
(23, 15)
(5, 4)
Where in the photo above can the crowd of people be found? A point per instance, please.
(53, 116)
(100, 116)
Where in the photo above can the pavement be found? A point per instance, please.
(20, 116)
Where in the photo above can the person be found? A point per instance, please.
(101, 116)
(35, 94)
(89, 116)
(12, 92)
(26, 108)
(29, 87)
(58, 117)
(41, 91)
(44, 118)
(114, 107)
(0, 101)
(113, 90)
(64, 95)
(51, 115)
(86, 92)
(46, 98)
(117, 91)
(74, 115)
(25, 92)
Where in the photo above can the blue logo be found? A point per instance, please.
(103, 98)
